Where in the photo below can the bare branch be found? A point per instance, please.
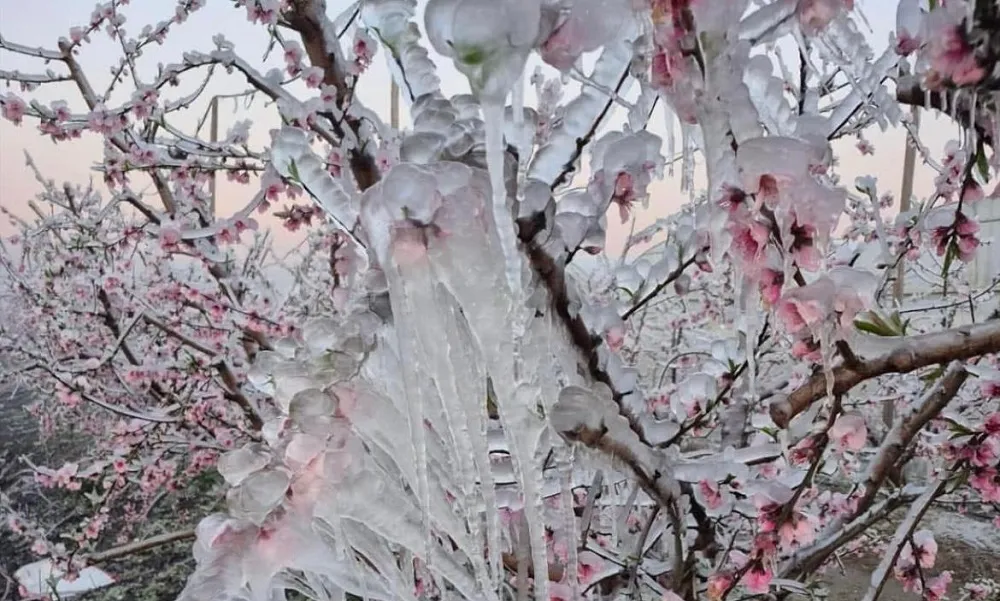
(140, 546)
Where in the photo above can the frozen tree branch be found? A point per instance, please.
(911, 354)
(886, 458)
(906, 428)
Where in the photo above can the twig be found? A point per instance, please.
(140, 546)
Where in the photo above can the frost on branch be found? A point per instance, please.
(293, 158)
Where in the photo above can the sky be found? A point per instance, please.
(48, 20)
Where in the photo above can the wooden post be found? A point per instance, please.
(213, 132)
(909, 162)
(394, 105)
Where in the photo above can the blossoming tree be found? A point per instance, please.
(460, 417)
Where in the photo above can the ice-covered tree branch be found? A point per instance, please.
(910, 354)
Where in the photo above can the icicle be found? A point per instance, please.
(493, 117)
(532, 480)
(973, 130)
(517, 105)
(826, 350)
(954, 118)
(494, 549)
(569, 517)
(687, 164)
(620, 525)
(751, 312)
(668, 119)
(523, 551)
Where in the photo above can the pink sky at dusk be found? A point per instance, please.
(47, 20)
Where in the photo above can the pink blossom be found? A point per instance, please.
(60, 110)
(972, 191)
(40, 547)
(293, 57)
(732, 199)
(335, 162)
(758, 578)
(906, 44)
(313, 76)
(815, 15)
(938, 587)
(170, 235)
(803, 246)
(771, 282)
(363, 50)
(991, 426)
(560, 592)
(977, 592)
(15, 524)
(952, 57)
(849, 432)
(264, 12)
(750, 241)
(590, 565)
(986, 481)
(798, 529)
(718, 584)
(796, 312)
(615, 337)
(922, 550)
(624, 194)
(13, 108)
(711, 496)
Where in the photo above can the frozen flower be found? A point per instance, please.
(849, 432)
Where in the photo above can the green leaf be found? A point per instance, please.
(879, 326)
(958, 481)
(957, 428)
(982, 164)
(933, 375)
(294, 170)
(472, 56)
(772, 432)
(898, 324)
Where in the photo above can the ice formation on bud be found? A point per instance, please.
(488, 41)
(584, 26)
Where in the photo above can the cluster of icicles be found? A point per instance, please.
(383, 472)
